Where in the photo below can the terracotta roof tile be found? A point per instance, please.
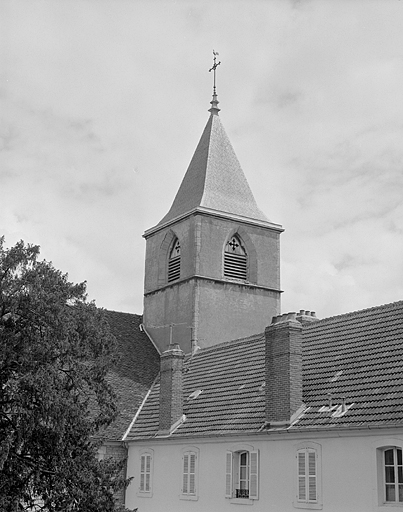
(357, 357)
(135, 371)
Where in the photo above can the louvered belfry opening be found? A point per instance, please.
(174, 262)
(235, 259)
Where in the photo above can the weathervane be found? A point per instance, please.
(214, 68)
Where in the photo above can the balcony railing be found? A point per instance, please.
(242, 493)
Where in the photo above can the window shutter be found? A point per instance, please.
(145, 473)
(185, 473)
(312, 476)
(301, 476)
(189, 473)
(142, 473)
(254, 475)
(228, 475)
(192, 473)
(148, 473)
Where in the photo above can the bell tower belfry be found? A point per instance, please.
(212, 268)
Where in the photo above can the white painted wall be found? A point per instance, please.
(348, 470)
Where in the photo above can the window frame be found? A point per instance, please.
(308, 448)
(142, 491)
(381, 448)
(187, 452)
(233, 474)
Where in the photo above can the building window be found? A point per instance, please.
(308, 472)
(189, 473)
(393, 475)
(235, 259)
(174, 261)
(307, 476)
(146, 469)
(242, 478)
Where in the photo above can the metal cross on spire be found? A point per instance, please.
(215, 64)
(214, 104)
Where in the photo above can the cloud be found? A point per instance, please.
(310, 95)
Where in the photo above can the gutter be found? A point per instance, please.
(288, 432)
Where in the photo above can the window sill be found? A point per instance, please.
(241, 501)
(308, 506)
(144, 494)
(188, 497)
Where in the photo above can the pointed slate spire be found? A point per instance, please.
(214, 180)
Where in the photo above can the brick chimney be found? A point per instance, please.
(283, 369)
(171, 387)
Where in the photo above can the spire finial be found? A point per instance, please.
(214, 103)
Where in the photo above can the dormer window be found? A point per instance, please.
(235, 259)
(174, 261)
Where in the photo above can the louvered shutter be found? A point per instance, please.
(145, 473)
(235, 259)
(192, 473)
(311, 475)
(254, 475)
(142, 472)
(174, 262)
(301, 476)
(148, 473)
(228, 475)
(185, 473)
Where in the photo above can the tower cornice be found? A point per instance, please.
(200, 210)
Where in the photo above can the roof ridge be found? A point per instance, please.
(353, 313)
(238, 341)
(120, 312)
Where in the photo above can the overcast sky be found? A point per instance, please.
(103, 103)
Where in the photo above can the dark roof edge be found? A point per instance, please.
(119, 312)
(353, 313)
(254, 337)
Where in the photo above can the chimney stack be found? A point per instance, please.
(171, 387)
(283, 369)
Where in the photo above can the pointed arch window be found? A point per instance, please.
(235, 259)
(174, 261)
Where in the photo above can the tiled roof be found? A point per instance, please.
(229, 376)
(358, 356)
(135, 372)
(214, 179)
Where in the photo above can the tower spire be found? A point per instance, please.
(214, 102)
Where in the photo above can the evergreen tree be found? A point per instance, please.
(55, 352)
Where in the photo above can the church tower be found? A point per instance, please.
(212, 269)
